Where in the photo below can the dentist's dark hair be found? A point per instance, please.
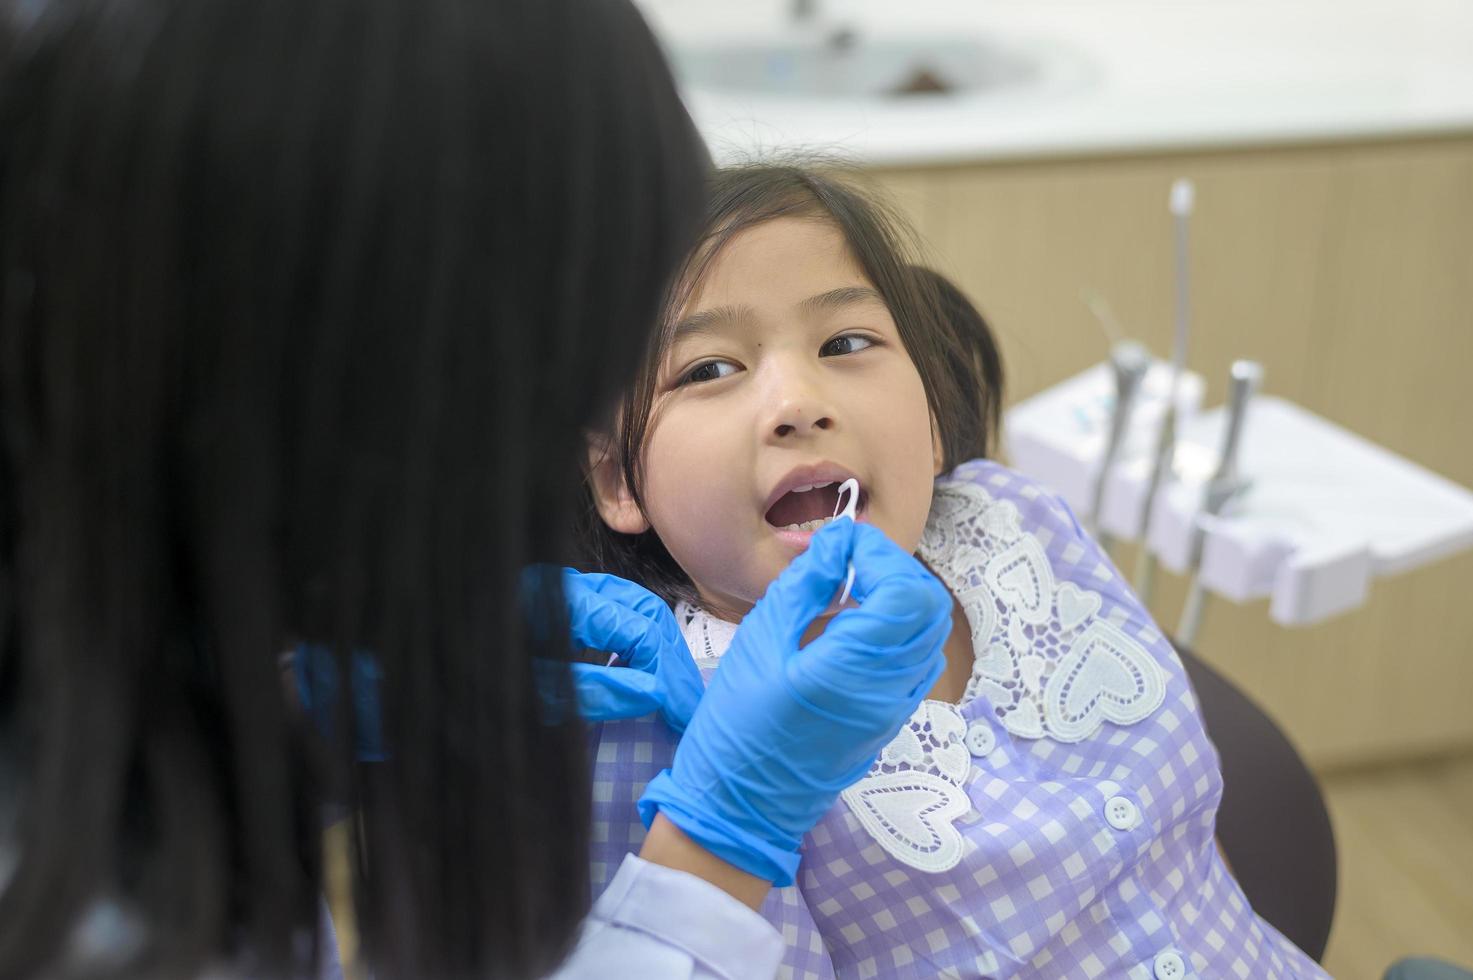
(304, 305)
(949, 342)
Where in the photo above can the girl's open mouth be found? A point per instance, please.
(806, 509)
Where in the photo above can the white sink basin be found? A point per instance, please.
(848, 66)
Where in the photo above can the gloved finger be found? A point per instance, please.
(870, 703)
(898, 596)
(887, 651)
(878, 559)
(627, 593)
(809, 583)
(901, 620)
(601, 623)
(613, 693)
(664, 635)
(862, 683)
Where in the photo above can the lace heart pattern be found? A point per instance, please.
(910, 815)
(1045, 658)
(904, 748)
(1105, 676)
(1020, 578)
(705, 636)
(910, 799)
(1075, 605)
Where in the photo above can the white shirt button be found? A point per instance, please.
(1121, 814)
(1169, 966)
(980, 739)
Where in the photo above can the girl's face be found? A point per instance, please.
(786, 372)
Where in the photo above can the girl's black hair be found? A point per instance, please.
(951, 346)
(974, 358)
(304, 306)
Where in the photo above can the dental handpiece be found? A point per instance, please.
(1245, 379)
(1129, 362)
(1222, 489)
(847, 509)
(1183, 202)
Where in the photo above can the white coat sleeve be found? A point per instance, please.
(656, 923)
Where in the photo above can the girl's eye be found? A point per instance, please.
(847, 344)
(710, 371)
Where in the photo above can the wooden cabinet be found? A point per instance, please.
(1346, 269)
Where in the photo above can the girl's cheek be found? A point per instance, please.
(686, 486)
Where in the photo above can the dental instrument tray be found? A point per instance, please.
(1324, 512)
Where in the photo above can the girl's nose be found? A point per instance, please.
(798, 408)
(799, 423)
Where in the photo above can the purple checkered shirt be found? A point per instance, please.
(1058, 822)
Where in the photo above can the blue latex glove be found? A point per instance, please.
(316, 675)
(613, 615)
(604, 612)
(782, 731)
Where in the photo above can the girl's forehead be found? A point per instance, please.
(776, 263)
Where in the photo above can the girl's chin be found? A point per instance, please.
(734, 611)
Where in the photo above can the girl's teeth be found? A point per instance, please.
(809, 525)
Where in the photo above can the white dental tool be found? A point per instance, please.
(847, 509)
(1129, 362)
(1183, 202)
(1222, 489)
(1103, 315)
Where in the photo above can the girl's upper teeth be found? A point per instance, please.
(813, 486)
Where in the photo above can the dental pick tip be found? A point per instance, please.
(851, 487)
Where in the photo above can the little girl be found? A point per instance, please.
(1049, 809)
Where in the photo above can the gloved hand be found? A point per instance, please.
(613, 615)
(782, 731)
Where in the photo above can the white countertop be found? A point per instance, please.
(1126, 76)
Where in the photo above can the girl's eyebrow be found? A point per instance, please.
(843, 296)
(708, 321)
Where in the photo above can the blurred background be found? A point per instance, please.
(1034, 143)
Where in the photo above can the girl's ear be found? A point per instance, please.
(616, 504)
(938, 451)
